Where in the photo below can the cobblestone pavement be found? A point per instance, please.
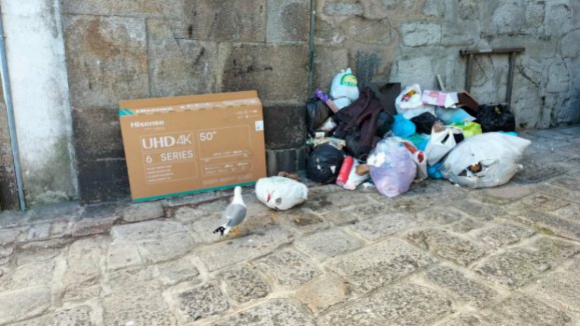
(439, 255)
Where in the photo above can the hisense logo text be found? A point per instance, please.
(139, 124)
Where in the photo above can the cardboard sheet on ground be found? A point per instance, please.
(184, 145)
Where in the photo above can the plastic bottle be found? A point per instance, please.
(345, 171)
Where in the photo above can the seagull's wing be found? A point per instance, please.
(231, 210)
(235, 214)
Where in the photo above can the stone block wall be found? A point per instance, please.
(411, 41)
(151, 48)
(8, 187)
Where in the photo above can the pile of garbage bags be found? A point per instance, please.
(358, 135)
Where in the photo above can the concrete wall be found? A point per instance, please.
(40, 95)
(151, 48)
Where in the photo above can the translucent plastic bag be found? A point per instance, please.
(409, 103)
(391, 167)
(486, 160)
(281, 193)
(344, 84)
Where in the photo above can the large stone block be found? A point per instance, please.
(287, 160)
(103, 180)
(288, 268)
(285, 126)
(369, 31)
(23, 304)
(203, 301)
(106, 59)
(327, 244)
(503, 234)
(288, 21)
(81, 280)
(561, 287)
(560, 18)
(551, 224)
(462, 287)
(327, 63)
(380, 227)
(447, 245)
(242, 249)
(277, 72)
(421, 33)
(342, 9)
(519, 266)
(434, 8)
(405, 304)
(147, 8)
(381, 264)
(136, 304)
(568, 47)
(523, 310)
(324, 293)
(244, 284)
(179, 66)
(8, 189)
(280, 312)
(371, 62)
(379, 9)
(97, 134)
(236, 21)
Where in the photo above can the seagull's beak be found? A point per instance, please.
(268, 199)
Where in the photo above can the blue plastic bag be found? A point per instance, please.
(511, 133)
(419, 140)
(403, 127)
(433, 171)
(450, 116)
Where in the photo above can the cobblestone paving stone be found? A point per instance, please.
(439, 255)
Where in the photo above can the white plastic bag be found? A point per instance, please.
(486, 160)
(344, 84)
(281, 193)
(418, 158)
(342, 102)
(439, 145)
(391, 167)
(354, 180)
(409, 103)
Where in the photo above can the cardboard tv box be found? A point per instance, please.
(190, 144)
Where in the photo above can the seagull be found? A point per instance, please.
(235, 213)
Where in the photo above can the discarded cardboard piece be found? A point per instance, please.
(451, 100)
(185, 145)
(438, 98)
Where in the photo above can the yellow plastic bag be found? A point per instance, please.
(469, 129)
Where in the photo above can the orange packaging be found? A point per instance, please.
(185, 145)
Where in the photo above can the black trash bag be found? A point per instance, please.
(316, 113)
(459, 137)
(496, 118)
(324, 164)
(424, 122)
